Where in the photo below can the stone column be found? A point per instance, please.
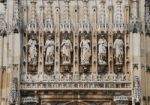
(1, 63)
(126, 11)
(94, 41)
(57, 41)
(41, 40)
(126, 36)
(76, 43)
(135, 57)
(135, 39)
(110, 38)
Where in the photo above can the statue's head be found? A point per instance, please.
(119, 35)
(32, 36)
(85, 34)
(102, 32)
(50, 35)
(66, 34)
(102, 35)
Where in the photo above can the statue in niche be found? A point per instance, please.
(102, 50)
(32, 43)
(85, 46)
(49, 50)
(119, 46)
(66, 49)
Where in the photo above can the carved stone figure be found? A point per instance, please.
(66, 49)
(32, 43)
(85, 46)
(49, 50)
(119, 45)
(102, 50)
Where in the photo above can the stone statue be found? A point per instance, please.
(49, 50)
(119, 46)
(66, 49)
(32, 43)
(102, 50)
(85, 46)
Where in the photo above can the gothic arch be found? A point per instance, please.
(76, 103)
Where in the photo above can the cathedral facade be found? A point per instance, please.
(74, 52)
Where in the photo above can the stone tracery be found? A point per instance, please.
(72, 44)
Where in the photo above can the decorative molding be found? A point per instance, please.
(27, 100)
